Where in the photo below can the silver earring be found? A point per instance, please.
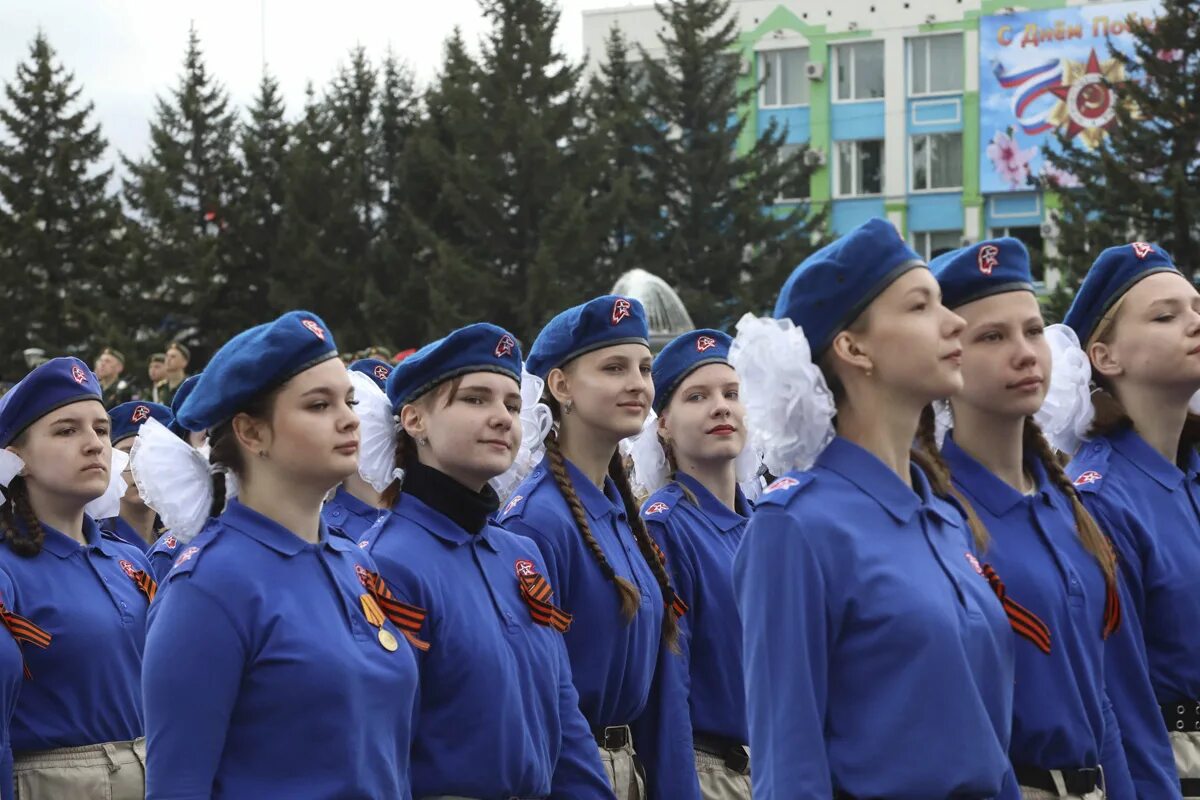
(568, 407)
(263, 454)
(423, 441)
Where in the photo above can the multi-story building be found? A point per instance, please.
(927, 112)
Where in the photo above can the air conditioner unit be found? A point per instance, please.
(814, 70)
(814, 157)
(745, 67)
(1048, 230)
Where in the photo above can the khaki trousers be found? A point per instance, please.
(623, 773)
(1186, 747)
(111, 771)
(719, 782)
(1042, 794)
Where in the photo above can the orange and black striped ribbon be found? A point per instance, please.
(23, 630)
(536, 592)
(144, 582)
(1023, 621)
(675, 603)
(408, 618)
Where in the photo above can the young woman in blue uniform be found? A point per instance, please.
(1138, 320)
(137, 523)
(698, 519)
(356, 505)
(77, 726)
(878, 661)
(499, 714)
(1057, 567)
(578, 508)
(273, 668)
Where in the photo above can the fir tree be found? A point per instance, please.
(510, 219)
(183, 194)
(66, 279)
(623, 203)
(1142, 182)
(718, 239)
(260, 194)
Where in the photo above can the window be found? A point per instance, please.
(860, 168)
(795, 186)
(859, 71)
(786, 83)
(937, 161)
(935, 64)
(931, 244)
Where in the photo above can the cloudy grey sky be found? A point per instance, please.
(125, 52)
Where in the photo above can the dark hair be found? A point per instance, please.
(182, 348)
(223, 446)
(27, 542)
(406, 446)
(157, 358)
(626, 591)
(1035, 442)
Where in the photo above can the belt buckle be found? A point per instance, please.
(615, 737)
(738, 760)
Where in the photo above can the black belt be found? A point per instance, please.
(1183, 716)
(1076, 781)
(613, 737)
(731, 750)
(1190, 787)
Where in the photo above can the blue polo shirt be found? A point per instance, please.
(1150, 508)
(878, 661)
(1062, 717)
(263, 676)
(350, 515)
(499, 714)
(700, 542)
(612, 659)
(86, 687)
(125, 532)
(162, 555)
(11, 677)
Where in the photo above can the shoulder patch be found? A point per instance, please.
(1088, 468)
(516, 504)
(781, 491)
(659, 505)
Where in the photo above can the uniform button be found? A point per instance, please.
(123, 605)
(106, 579)
(508, 616)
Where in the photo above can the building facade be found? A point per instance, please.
(891, 96)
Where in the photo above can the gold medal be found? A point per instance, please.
(388, 641)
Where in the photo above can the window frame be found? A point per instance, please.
(780, 198)
(912, 164)
(855, 161)
(925, 248)
(777, 55)
(909, 71)
(836, 65)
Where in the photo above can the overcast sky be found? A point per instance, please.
(125, 52)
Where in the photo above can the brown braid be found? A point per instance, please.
(670, 624)
(928, 457)
(1094, 540)
(27, 542)
(628, 593)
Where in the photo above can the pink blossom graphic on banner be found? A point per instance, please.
(1057, 178)
(1010, 162)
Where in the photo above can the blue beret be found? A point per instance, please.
(994, 266)
(54, 384)
(481, 347)
(128, 417)
(832, 287)
(1112, 275)
(375, 369)
(181, 394)
(682, 356)
(253, 362)
(604, 322)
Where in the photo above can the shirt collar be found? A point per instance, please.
(1130, 444)
(990, 491)
(596, 502)
(265, 530)
(63, 546)
(721, 515)
(873, 477)
(413, 508)
(353, 505)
